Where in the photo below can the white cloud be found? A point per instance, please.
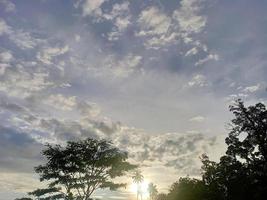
(118, 10)
(121, 18)
(21, 38)
(92, 7)
(198, 80)
(6, 57)
(206, 59)
(184, 24)
(192, 51)
(155, 27)
(4, 28)
(21, 83)
(61, 102)
(121, 24)
(252, 89)
(153, 22)
(188, 18)
(49, 53)
(198, 118)
(230, 99)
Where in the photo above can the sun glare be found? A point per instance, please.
(142, 188)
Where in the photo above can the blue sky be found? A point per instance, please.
(155, 77)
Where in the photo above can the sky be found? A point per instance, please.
(155, 77)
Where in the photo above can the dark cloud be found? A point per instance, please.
(18, 151)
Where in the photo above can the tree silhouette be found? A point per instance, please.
(75, 171)
(162, 196)
(188, 189)
(152, 189)
(138, 179)
(242, 172)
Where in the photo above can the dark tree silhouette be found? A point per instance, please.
(188, 189)
(242, 172)
(75, 171)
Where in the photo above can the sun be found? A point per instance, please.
(143, 188)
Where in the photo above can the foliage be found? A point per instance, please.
(162, 196)
(75, 171)
(242, 172)
(152, 189)
(137, 177)
(187, 189)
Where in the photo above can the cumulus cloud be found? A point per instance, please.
(188, 17)
(92, 7)
(121, 17)
(184, 25)
(153, 22)
(155, 25)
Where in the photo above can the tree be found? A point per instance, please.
(242, 172)
(152, 189)
(162, 196)
(138, 179)
(224, 180)
(247, 142)
(188, 189)
(76, 170)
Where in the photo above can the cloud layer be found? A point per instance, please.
(154, 77)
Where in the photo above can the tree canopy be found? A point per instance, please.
(76, 170)
(241, 174)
